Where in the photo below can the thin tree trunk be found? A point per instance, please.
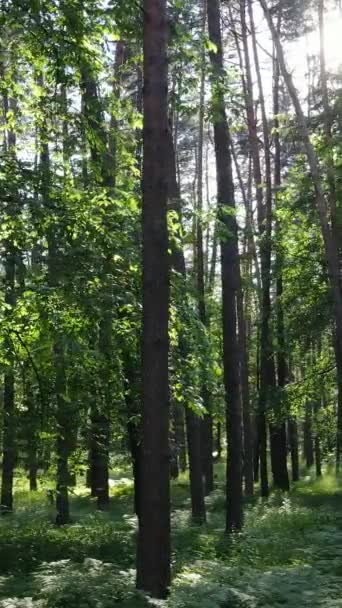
(265, 354)
(293, 441)
(9, 410)
(180, 440)
(308, 437)
(206, 422)
(219, 440)
(230, 278)
(280, 473)
(247, 422)
(153, 556)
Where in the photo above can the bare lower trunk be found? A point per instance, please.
(230, 279)
(193, 422)
(293, 441)
(207, 423)
(246, 415)
(308, 437)
(195, 466)
(153, 552)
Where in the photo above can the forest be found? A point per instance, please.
(171, 303)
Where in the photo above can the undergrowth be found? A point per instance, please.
(289, 553)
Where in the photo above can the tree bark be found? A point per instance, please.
(280, 472)
(206, 422)
(153, 555)
(308, 437)
(293, 441)
(229, 275)
(193, 422)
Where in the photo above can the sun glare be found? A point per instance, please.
(333, 40)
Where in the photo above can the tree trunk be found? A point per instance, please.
(219, 440)
(193, 422)
(246, 415)
(279, 440)
(318, 457)
(193, 430)
(60, 384)
(104, 162)
(99, 439)
(293, 441)
(9, 263)
(230, 277)
(206, 422)
(179, 430)
(264, 225)
(308, 438)
(153, 556)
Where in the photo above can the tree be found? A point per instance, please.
(153, 560)
(230, 274)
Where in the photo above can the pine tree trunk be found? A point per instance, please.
(206, 423)
(193, 423)
(247, 422)
(153, 557)
(293, 441)
(230, 278)
(318, 457)
(32, 440)
(266, 360)
(278, 437)
(219, 440)
(308, 437)
(62, 407)
(9, 263)
(178, 417)
(63, 428)
(98, 454)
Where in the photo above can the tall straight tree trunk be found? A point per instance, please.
(62, 408)
(8, 436)
(207, 422)
(9, 262)
(267, 365)
(332, 196)
(244, 363)
(32, 437)
(280, 475)
(266, 360)
(193, 421)
(327, 116)
(330, 245)
(103, 153)
(153, 555)
(317, 442)
(230, 276)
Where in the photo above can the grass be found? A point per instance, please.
(289, 553)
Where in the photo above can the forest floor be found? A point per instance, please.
(289, 554)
